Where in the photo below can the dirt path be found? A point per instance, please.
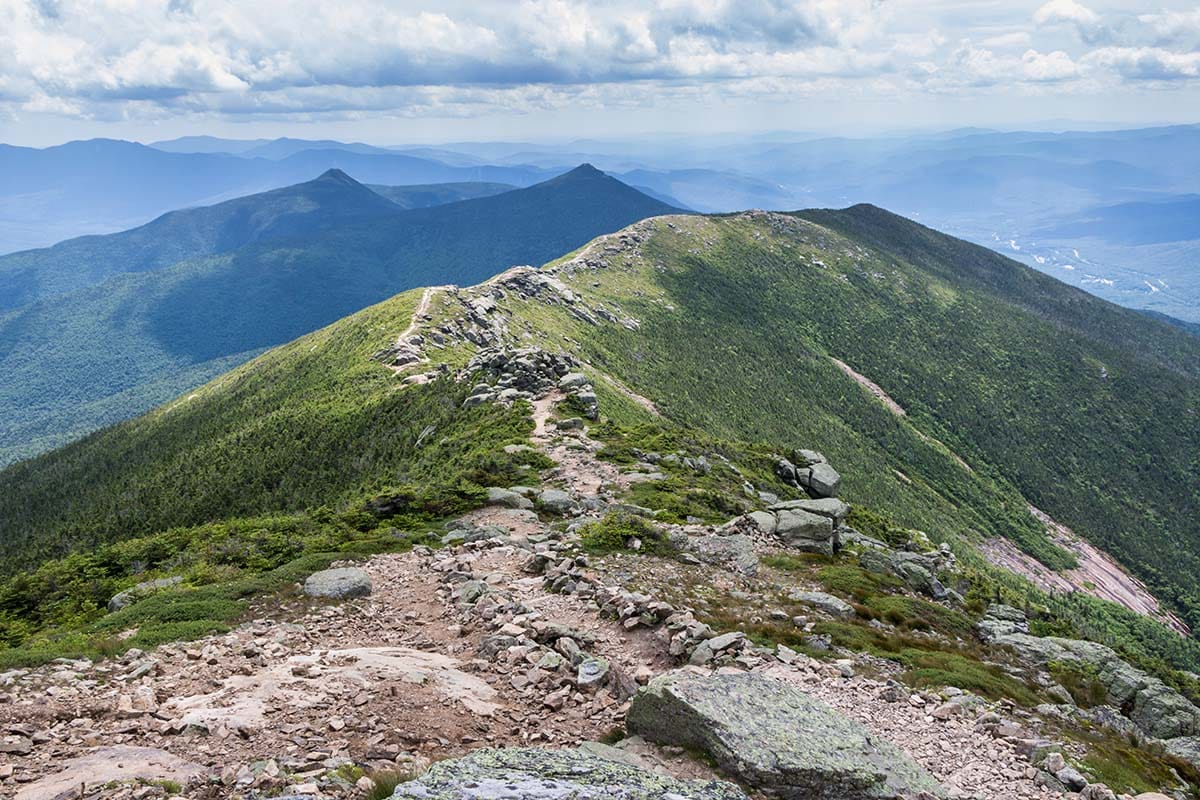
(402, 339)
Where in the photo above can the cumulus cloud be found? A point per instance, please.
(453, 57)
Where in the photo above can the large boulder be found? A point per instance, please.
(831, 507)
(535, 774)
(824, 480)
(1001, 620)
(340, 584)
(804, 530)
(775, 738)
(143, 589)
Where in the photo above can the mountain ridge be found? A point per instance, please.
(91, 349)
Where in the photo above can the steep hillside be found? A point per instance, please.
(563, 483)
(332, 198)
(104, 353)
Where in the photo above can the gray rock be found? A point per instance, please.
(764, 521)
(341, 583)
(824, 481)
(573, 380)
(535, 774)
(570, 424)
(1185, 747)
(732, 552)
(1001, 620)
(496, 496)
(775, 738)
(804, 530)
(809, 457)
(1157, 709)
(556, 501)
(825, 506)
(592, 673)
(834, 606)
(143, 589)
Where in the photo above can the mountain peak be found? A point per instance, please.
(584, 170)
(335, 174)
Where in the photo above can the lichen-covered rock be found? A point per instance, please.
(340, 584)
(1001, 620)
(535, 774)
(143, 589)
(556, 501)
(1154, 707)
(775, 737)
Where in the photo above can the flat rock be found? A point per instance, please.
(830, 507)
(340, 583)
(775, 738)
(117, 764)
(834, 606)
(498, 496)
(536, 774)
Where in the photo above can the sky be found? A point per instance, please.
(405, 72)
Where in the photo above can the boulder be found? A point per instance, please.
(824, 480)
(1186, 748)
(536, 774)
(775, 738)
(804, 530)
(1001, 620)
(556, 501)
(809, 457)
(831, 507)
(573, 380)
(341, 584)
(143, 589)
(764, 521)
(834, 606)
(734, 552)
(497, 496)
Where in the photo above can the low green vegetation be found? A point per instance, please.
(933, 669)
(619, 530)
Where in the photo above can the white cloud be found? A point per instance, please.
(107, 58)
(1147, 63)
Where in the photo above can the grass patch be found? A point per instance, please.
(931, 669)
(856, 582)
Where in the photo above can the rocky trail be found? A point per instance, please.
(509, 636)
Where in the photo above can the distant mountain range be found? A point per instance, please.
(103, 328)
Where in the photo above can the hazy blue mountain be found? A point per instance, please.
(101, 354)
(436, 194)
(102, 186)
(208, 144)
(332, 198)
(1175, 219)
